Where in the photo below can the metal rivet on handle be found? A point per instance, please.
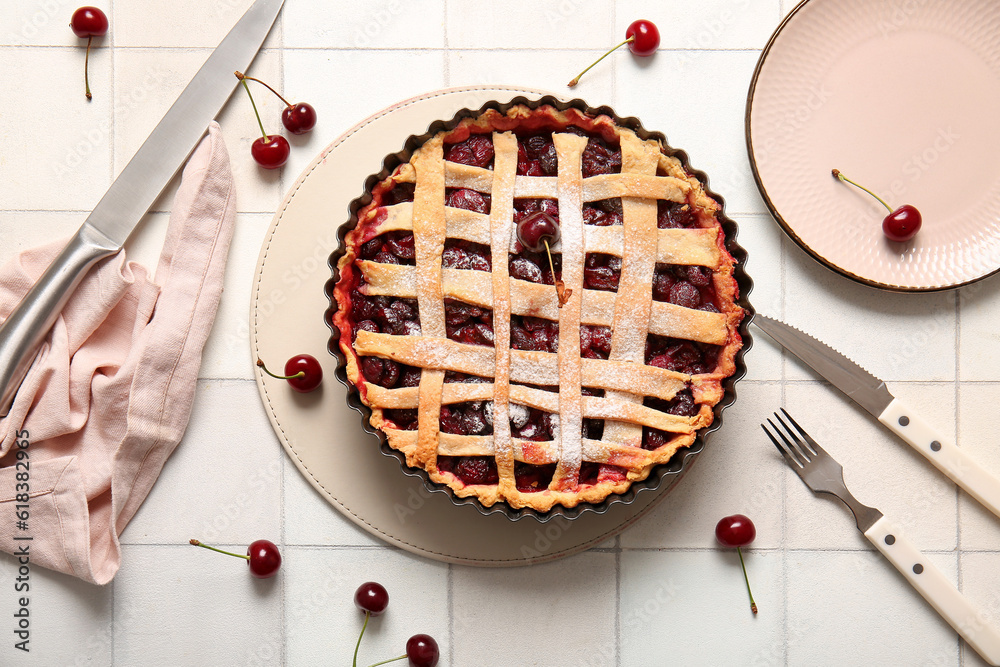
(904, 420)
(918, 568)
(936, 446)
(890, 539)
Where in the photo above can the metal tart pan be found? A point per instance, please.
(665, 475)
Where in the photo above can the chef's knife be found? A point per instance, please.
(105, 230)
(871, 393)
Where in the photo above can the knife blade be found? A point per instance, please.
(871, 394)
(131, 194)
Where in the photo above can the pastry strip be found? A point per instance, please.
(428, 241)
(474, 287)
(634, 300)
(501, 231)
(569, 152)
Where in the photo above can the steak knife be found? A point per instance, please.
(871, 393)
(106, 229)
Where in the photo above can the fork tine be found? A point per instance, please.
(812, 443)
(804, 451)
(791, 456)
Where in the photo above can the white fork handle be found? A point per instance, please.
(944, 454)
(931, 583)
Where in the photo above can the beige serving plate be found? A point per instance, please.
(321, 434)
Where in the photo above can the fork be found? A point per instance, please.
(823, 474)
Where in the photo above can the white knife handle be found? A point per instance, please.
(29, 323)
(931, 583)
(944, 454)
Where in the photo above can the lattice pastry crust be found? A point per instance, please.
(619, 386)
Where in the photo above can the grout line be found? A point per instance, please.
(111, 176)
(447, 46)
(957, 426)
(614, 64)
(450, 607)
(783, 483)
(362, 49)
(618, 600)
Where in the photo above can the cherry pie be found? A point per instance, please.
(455, 337)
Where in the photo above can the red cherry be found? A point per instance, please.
(645, 37)
(642, 38)
(262, 557)
(902, 224)
(371, 598)
(536, 228)
(299, 118)
(309, 367)
(422, 651)
(271, 151)
(735, 531)
(89, 22)
(302, 372)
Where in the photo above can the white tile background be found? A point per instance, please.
(662, 591)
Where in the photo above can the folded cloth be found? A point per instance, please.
(109, 396)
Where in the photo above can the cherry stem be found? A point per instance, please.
(86, 68)
(228, 553)
(562, 293)
(577, 79)
(243, 80)
(836, 172)
(241, 77)
(358, 645)
(753, 605)
(300, 374)
(386, 662)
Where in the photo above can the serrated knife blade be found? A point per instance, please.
(109, 225)
(867, 390)
(870, 392)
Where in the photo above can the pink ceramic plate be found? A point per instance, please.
(903, 97)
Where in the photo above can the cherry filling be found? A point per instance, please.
(399, 193)
(600, 157)
(468, 324)
(476, 151)
(460, 254)
(405, 419)
(470, 200)
(533, 334)
(466, 419)
(534, 267)
(383, 314)
(682, 405)
(529, 478)
(603, 213)
(470, 469)
(683, 356)
(602, 272)
(536, 156)
(595, 342)
(390, 248)
(686, 286)
(672, 215)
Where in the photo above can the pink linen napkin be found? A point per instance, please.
(109, 396)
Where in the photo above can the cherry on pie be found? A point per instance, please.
(454, 335)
